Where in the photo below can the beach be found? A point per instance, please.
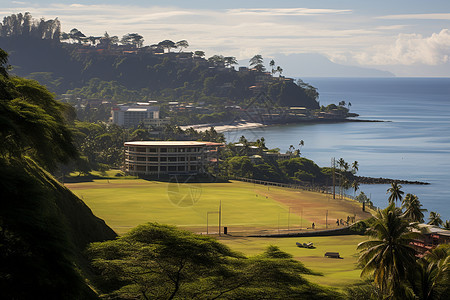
(223, 127)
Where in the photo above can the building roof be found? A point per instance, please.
(214, 144)
(435, 229)
(143, 108)
(137, 109)
(164, 143)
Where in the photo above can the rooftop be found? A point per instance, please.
(165, 143)
(434, 229)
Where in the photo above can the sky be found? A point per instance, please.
(405, 38)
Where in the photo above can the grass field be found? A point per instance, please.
(125, 203)
(246, 208)
(337, 272)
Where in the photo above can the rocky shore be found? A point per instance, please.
(371, 180)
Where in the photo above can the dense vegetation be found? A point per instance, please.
(44, 228)
(393, 267)
(157, 261)
(109, 69)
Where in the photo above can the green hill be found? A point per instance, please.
(44, 229)
(129, 72)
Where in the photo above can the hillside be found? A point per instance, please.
(130, 72)
(44, 229)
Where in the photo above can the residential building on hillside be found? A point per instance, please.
(133, 115)
(432, 236)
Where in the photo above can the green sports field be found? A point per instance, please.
(246, 208)
(126, 203)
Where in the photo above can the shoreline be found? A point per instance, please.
(243, 124)
(380, 180)
(224, 127)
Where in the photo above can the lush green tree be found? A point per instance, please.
(133, 39)
(389, 256)
(447, 225)
(217, 60)
(40, 221)
(412, 208)
(33, 125)
(181, 44)
(76, 35)
(279, 70)
(157, 261)
(257, 62)
(199, 53)
(355, 186)
(431, 280)
(240, 166)
(272, 65)
(395, 192)
(4, 67)
(20, 25)
(301, 143)
(229, 61)
(435, 219)
(301, 169)
(167, 44)
(310, 91)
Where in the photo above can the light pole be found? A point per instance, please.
(289, 219)
(207, 220)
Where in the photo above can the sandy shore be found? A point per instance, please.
(224, 127)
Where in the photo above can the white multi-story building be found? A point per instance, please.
(169, 157)
(133, 115)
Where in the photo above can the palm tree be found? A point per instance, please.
(388, 256)
(355, 167)
(272, 64)
(355, 186)
(435, 219)
(341, 163)
(279, 70)
(395, 192)
(412, 207)
(345, 186)
(431, 281)
(447, 225)
(300, 145)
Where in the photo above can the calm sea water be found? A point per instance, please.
(413, 144)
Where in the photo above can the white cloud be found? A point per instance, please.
(343, 35)
(391, 27)
(440, 16)
(286, 11)
(410, 49)
(233, 32)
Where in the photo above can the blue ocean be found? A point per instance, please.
(413, 142)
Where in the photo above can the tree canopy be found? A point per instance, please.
(156, 261)
(32, 123)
